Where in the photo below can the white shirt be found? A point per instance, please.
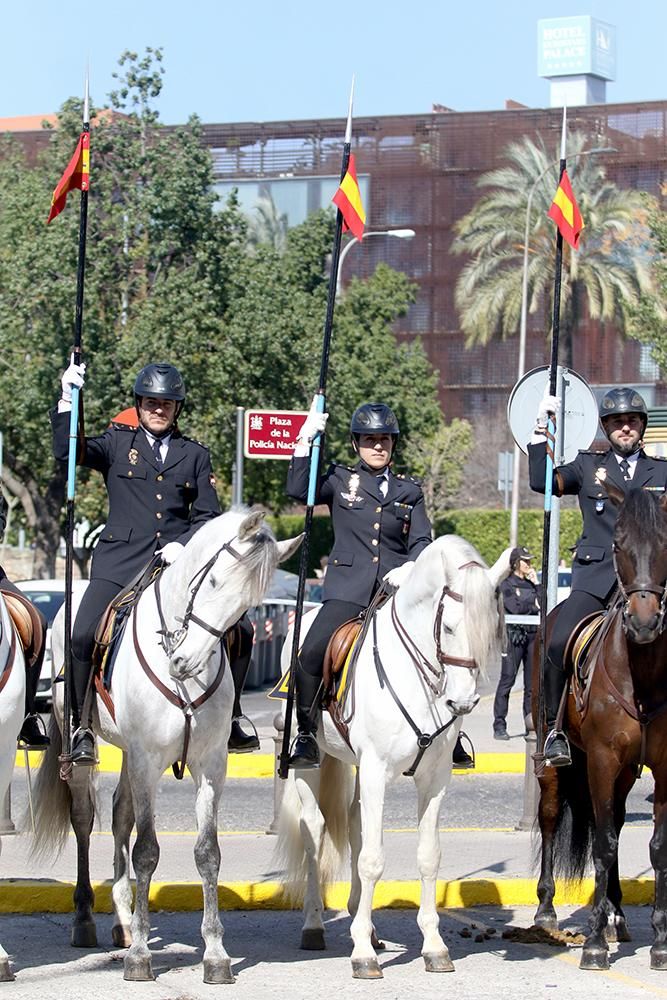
(164, 443)
(632, 463)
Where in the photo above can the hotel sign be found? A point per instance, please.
(576, 46)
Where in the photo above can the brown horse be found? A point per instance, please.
(619, 726)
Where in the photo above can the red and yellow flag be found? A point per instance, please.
(77, 175)
(348, 199)
(565, 212)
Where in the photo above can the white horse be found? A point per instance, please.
(170, 678)
(415, 677)
(12, 703)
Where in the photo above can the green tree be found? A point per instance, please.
(647, 320)
(609, 270)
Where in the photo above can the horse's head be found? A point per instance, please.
(640, 561)
(225, 568)
(461, 591)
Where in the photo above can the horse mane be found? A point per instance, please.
(256, 569)
(641, 515)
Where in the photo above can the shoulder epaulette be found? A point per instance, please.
(194, 441)
(594, 451)
(657, 458)
(342, 465)
(123, 427)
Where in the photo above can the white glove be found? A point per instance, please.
(548, 405)
(314, 423)
(73, 376)
(398, 575)
(171, 552)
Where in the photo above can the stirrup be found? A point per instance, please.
(302, 762)
(251, 740)
(84, 760)
(25, 744)
(561, 759)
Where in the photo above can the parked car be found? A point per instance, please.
(564, 584)
(48, 596)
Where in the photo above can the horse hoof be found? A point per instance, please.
(376, 944)
(84, 935)
(366, 968)
(312, 939)
(218, 973)
(6, 974)
(616, 931)
(438, 961)
(121, 936)
(594, 959)
(659, 958)
(138, 969)
(547, 921)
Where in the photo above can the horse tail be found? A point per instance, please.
(52, 800)
(336, 785)
(575, 823)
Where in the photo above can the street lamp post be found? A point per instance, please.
(516, 468)
(402, 234)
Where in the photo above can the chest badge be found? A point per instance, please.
(353, 489)
(600, 475)
(133, 456)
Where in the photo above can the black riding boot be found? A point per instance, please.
(305, 752)
(556, 746)
(83, 741)
(33, 735)
(240, 742)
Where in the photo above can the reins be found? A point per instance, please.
(421, 664)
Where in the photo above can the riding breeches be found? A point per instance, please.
(330, 616)
(570, 613)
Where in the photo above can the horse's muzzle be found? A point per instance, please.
(643, 618)
(462, 707)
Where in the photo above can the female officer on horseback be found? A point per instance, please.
(380, 526)
(161, 489)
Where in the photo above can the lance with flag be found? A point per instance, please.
(565, 213)
(350, 216)
(76, 175)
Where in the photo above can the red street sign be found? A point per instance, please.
(271, 433)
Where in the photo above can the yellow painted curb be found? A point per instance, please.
(45, 896)
(261, 765)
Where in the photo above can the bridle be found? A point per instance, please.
(422, 664)
(172, 639)
(626, 593)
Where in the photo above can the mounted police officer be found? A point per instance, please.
(624, 417)
(161, 489)
(380, 526)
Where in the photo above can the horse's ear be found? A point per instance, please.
(251, 525)
(288, 547)
(500, 568)
(615, 494)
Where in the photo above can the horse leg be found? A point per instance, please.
(209, 778)
(354, 831)
(372, 779)
(311, 826)
(601, 781)
(548, 811)
(82, 815)
(121, 892)
(617, 927)
(145, 856)
(431, 785)
(658, 851)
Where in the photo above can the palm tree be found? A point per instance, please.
(610, 269)
(267, 225)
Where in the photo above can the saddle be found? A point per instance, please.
(580, 659)
(28, 624)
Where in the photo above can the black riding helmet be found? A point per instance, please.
(160, 381)
(374, 418)
(622, 400)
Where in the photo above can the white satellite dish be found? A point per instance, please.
(579, 419)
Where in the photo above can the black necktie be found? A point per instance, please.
(158, 454)
(625, 469)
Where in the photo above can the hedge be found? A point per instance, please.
(487, 530)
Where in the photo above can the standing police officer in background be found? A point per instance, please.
(520, 597)
(161, 489)
(623, 416)
(380, 527)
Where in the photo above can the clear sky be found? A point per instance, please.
(263, 61)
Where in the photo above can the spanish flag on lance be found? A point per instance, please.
(77, 175)
(565, 212)
(348, 200)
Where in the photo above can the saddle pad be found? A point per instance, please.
(581, 642)
(279, 692)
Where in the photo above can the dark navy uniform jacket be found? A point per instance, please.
(148, 505)
(592, 566)
(520, 596)
(372, 533)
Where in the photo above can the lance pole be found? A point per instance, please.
(76, 415)
(314, 460)
(549, 477)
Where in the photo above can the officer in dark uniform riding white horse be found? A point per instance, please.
(161, 489)
(624, 417)
(380, 526)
